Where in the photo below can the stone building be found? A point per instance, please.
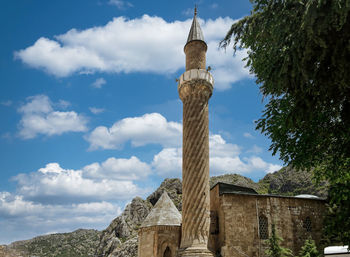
(159, 234)
(226, 220)
(241, 220)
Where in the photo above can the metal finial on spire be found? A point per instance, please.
(195, 10)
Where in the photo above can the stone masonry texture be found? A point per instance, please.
(195, 55)
(154, 241)
(235, 222)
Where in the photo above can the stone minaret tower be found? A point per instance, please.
(195, 88)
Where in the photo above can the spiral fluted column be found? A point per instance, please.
(195, 88)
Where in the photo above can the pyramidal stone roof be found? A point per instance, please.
(164, 213)
(195, 31)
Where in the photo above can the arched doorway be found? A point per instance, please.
(167, 252)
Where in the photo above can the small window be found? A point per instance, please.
(263, 227)
(307, 224)
(214, 223)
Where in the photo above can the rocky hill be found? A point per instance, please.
(290, 182)
(287, 181)
(119, 239)
(80, 243)
(235, 179)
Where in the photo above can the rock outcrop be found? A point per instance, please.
(174, 189)
(235, 179)
(128, 249)
(123, 228)
(289, 181)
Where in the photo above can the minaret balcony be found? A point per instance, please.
(196, 74)
(195, 81)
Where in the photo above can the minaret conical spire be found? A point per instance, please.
(195, 31)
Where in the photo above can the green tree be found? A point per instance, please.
(275, 249)
(299, 51)
(309, 249)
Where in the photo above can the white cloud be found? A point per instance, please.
(55, 184)
(120, 169)
(255, 149)
(63, 104)
(155, 129)
(62, 200)
(220, 148)
(226, 69)
(95, 110)
(37, 104)
(51, 168)
(23, 219)
(38, 117)
(273, 167)
(223, 158)
(98, 83)
(236, 164)
(168, 162)
(248, 135)
(116, 47)
(150, 128)
(259, 164)
(61, 61)
(120, 4)
(14, 205)
(232, 164)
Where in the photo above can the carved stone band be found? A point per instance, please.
(196, 74)
(194, 82)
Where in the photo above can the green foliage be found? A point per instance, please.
(275, 249)
(309, 249)
(337, 221)
(299, 51)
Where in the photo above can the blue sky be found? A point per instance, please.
(90, 111)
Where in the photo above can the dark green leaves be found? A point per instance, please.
(309, 249)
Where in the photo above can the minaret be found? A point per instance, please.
(195, 88)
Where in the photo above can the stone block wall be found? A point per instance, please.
(235, 229)
(159, 241)
(195, 55)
